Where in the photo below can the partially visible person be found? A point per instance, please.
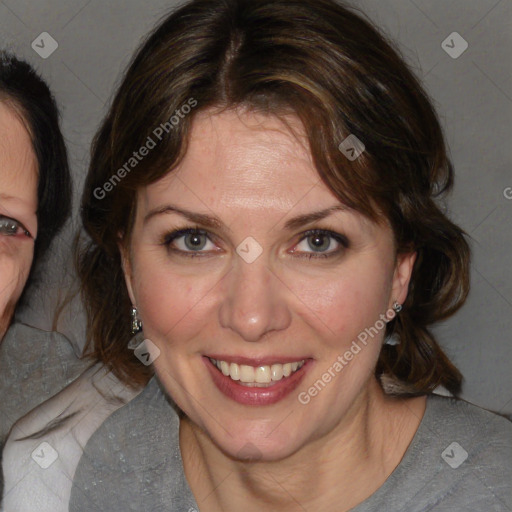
(35, 202)
(18, 210)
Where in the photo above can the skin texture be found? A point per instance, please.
(18, 203)
(254, 175)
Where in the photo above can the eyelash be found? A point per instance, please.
(168, 238)
(24, 230)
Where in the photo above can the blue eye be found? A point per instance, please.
(321, 243)
(189, 241)
(11, 227)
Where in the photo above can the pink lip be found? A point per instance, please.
(257, 361)
(253, 395)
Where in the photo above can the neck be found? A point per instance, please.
(335, 472)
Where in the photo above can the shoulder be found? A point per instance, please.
(136, 453)
(34, 365)
(460, 458)
(475, 449)
(477, 425)
(147, 419)
(93, 393)
(44, 447)
(20, 335)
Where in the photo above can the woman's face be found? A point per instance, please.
(18, 205)
(275, 271)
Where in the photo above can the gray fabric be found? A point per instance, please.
(34, 366)
(133, 462)
(39, 468)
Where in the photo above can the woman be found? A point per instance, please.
(35, 181)
(35, 201)
(262, 200)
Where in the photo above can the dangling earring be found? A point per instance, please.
(136, 323)
(393, 340)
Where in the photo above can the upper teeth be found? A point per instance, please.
(257, 375)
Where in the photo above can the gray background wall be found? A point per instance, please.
(472, 93)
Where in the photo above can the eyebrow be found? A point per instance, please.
(308, 218)
(199, 218)
(214, 222)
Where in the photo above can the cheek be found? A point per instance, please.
(15, 263)
(345, 303)
(344, 316)
(173, 306)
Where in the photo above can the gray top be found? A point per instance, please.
(34, 366)
(460, 459)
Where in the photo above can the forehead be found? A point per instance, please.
(235, 157)
(248, 170)
(18, 164)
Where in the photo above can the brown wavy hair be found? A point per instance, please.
(328, 65)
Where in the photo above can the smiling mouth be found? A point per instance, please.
(257, 376)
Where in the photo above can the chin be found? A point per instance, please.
(257, 442)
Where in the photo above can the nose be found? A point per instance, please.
(254, 301)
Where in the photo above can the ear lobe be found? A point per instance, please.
(127, 269)
(402, 276)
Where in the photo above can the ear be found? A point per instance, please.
(127, 268)
(402, 276)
